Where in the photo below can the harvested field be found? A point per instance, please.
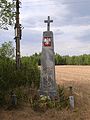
(79, 78)
(76, 76)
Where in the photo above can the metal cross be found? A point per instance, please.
(48, 23)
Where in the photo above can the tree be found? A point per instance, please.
(6, 14)
(12, 79)
(58, 59)
(7, 50)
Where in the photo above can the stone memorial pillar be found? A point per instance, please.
(48, 82)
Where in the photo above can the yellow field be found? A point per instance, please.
(79, 78)
(76, 76)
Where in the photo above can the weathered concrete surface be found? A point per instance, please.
(48, 82)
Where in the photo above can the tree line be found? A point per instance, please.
(65, 60)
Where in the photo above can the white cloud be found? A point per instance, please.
(70, 27)
(29, 48)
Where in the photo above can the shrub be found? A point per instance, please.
(11, 79)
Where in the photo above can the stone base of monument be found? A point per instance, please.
(52, 95)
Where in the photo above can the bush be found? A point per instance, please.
(11, 79)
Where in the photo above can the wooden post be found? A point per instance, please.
(17, 35)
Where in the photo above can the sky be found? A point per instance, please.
(71, 26)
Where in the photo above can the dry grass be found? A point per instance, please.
(79, 78)
(76, 76)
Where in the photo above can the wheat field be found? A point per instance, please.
(76, 76)
(79, 78)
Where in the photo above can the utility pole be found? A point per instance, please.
(17, 35)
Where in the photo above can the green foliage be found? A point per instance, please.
(6, 14)
(58, 59)
(7, 50)
(63, 98)
(12, 79)
(45, 102)
(65, 60)
(2, 98)
(29, 65)
(36, 58)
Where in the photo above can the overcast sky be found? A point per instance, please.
(71, 26)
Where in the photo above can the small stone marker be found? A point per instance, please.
(71, 98)
(48, 82)
(14, 100)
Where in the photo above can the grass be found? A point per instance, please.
(76, 76)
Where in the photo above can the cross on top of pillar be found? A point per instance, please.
(48, 23)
